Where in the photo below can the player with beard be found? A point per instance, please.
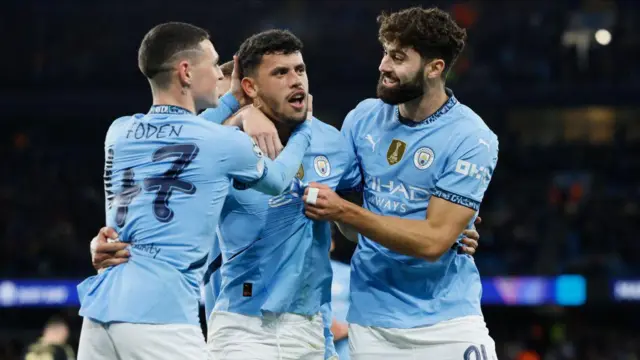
(261, 82)
(426, 160)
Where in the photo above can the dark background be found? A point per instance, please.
(564, 198)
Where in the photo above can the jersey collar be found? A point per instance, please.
(448, 105)
(168, 109)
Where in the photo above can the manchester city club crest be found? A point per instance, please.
(322, 166)
(300, 173)
(423, 158)
(396, 151)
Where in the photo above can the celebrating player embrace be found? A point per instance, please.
(167, 174)
(427, 161)
(423, 161)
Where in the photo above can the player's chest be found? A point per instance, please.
(414, 157)
(321, 166)
(317, 166)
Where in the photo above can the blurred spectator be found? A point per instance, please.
(53, 343)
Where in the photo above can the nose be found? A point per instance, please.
(384, 64)
(218, 73)
(295, 80)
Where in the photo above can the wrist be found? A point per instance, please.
(347, 213)
(230, 100)
(239, 97)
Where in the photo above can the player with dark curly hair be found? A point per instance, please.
(426, 161)
(420, 48)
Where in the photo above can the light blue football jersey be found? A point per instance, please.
(340, 302)
(274, 259)
(167, 174)
(327, 319)
(452, 155)
(212, 279)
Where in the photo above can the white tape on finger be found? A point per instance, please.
(312, 196)
(93, 245)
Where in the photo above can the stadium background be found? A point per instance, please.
(561, 95)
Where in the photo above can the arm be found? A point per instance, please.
(349, 232)
(350, 185)
(451, 208)
(262, 129)
(428, 239)
(227, 107)
(251, 170)
(107, 250)
(230, 102)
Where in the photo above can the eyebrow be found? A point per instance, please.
(395, 51)
(279, 68)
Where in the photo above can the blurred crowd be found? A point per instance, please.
(564, 198)
(568, 204)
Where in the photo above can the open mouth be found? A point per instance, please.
(389, 81)
(297, 100)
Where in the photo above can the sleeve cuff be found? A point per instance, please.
(230, 101)
(457, 199)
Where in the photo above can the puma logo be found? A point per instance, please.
(483, 142)
(373, 143)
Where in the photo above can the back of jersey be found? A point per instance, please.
(166, 177)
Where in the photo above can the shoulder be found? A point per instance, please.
(118, 126)
(326, 131)
(327, 138)
(469, 126)
(369, 104)
(365, 109)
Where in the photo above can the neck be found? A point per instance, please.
(173, 96)
(424, 106)
(284, 131)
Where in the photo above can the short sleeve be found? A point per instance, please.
(469, 170)
(352, 176)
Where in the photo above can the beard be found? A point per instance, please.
(276, 110)
(402, 92)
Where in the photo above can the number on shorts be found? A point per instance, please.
(478, 354)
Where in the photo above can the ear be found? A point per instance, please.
(184, 73)
(249, 86)
(434, 69)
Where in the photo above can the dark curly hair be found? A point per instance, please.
(266, 43)
(430, 32)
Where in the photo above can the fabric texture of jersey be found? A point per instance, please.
(452, 155)
(274, 259)
(340, 302)
(167, 174)
(327, 319)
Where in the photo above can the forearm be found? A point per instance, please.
(349, 231)
(405, 236)
(283, 169)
